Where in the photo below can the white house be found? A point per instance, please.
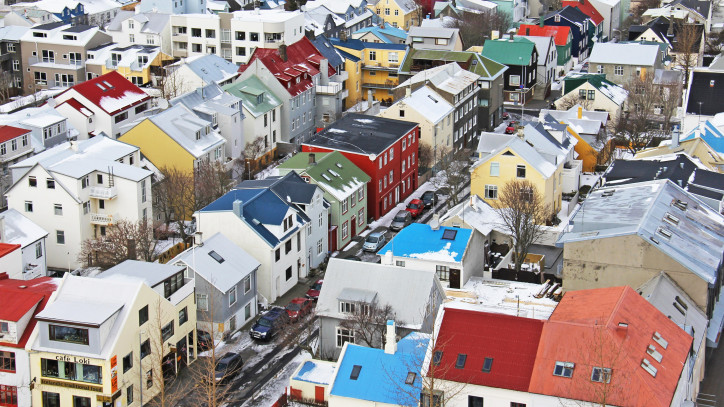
(253, 29)
(547, 62)
(194, 72)
(102, 105)
(130, 28)
(612, 17)
(17, 229)
(77, 189)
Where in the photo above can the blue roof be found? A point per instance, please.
(360, 45)
(212, 68)
(382, 375)
(383, 33)
(328, 51)
(349, 56)
(419, 241)
(710, 134)
(315, 371)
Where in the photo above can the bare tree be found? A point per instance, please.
(636, 128)
(369, 323)
(451, 173)
(253, 150)
(669, 99)
(123, 240)
(573, 99)
(7, 86)
(475, 27)
(547, 6)
(174, 198)
(168, 82)
(211, 181)
(686, 47)
(522, 211)
(425, 154)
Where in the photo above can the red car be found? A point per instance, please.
(313, 292)
(511, 127)
(299, 308)
(505, 116)
(415, 207)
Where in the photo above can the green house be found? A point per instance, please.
(344, 186)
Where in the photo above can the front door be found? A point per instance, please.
(319, 394)
(232, 324)
(397, 195)
(454, 278)
(353, 223)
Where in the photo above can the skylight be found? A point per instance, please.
(651, 350)
(216, 257)
(338, 165)
(460, 362)
(108, 84)
(661, 341)
(437, 357)
(356, 369)
(101, 86)
(649, 367)
(449, 234)
(680, 204)
(671, 219)
(664, 232)
(410, 378)
(487, 365)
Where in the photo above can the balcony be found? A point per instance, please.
(376, 66)
(103, 192)
(180, 37)
(332, 89)
(340, 76)
(386, 85)
(102, 219)
(32, 271)
(57, 63)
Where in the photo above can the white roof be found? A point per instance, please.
(542, 45)
(150, 273)
(268, 16)
(99, 6)
(236, 265)
(17, 229)
(432, 32)
(450, 78)
(478, 214)
(624, 54)
(181, 124)
(66, 309)
(491, 144)
(428, 103)
(55, 36)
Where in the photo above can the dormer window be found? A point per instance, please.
(260, 98)
(198, 135)
(4, 327)
(69, 334)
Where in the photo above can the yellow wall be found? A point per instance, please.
(158, 147)
(403, 21)
(508, 169)
(585, 152)
(145, 73)
(696, 148)
(357, 74)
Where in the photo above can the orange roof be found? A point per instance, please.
(587, 9)
(584, 330)
(6, 248)
(560, 34)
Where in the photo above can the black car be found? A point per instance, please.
(227, 367)
(270, 324)
(429, 198)
(204, 341)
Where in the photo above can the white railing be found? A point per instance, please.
(32, 271)
(103, 192)
(332, 89)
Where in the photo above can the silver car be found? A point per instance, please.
(402, 219)
(374, 242)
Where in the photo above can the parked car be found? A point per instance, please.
(227, 367)
(374, 242)
(314, 289)
(402, 219)
(415, 207)
(299, 308)
(584, 68)
(429, 198)
(204, 341)
(505, 116)
(269, 324)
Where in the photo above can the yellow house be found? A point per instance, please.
(400, 13)
(505, 158)
(695, 147)
(176, 138)
(137, 63)
(100, 341)
(138, 70)
(371, 67)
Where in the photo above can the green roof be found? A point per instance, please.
(478, 64)
(613, 91)
(249, 91)
(509, 52)
(333, 172)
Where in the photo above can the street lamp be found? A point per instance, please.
(700, 102)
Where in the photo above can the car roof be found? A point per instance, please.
(229, 356)
(375, 234)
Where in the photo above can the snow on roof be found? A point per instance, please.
(616, 93)
(420, 241)
(428, 104)
(79, 35)
(13, 32)
(624, 54)
(316, 371)
(150, 273)
(17, 229)
(224, 275)
(477, 214)
(181, 124)
(78, 310)
(266, 16)
(99, 6)
(493, 143)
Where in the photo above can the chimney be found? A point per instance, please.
(324, 72)
(312, 159)
(541, 22)
(408, 91)
(73, 145)
(520, 133)
(580, 112)
(198, 239)
(510, 35)
(670, 31)
(382, 24)
(369, 96)
(390, 338)
(238, 207)
(675, 137)
(472, 202)
(343, 36)
(283, 52)
(527, 30)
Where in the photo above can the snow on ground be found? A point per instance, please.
(501, 297)
(163, 245)
(387, 219)
(274, 388)
(590, 178)
(350, 245)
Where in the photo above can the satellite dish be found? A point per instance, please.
(162, 103)
(373, 157)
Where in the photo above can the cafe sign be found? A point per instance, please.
(72, 385)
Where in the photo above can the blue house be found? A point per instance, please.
(455, 254)
(390, 376)
(582, 29)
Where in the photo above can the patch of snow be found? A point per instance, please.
(349, 246)
(273, 389)
(443, 254)
(111, 104)
(365, 121)
(337, 131)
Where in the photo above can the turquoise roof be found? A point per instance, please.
(384, 33)
(420, 241)
(249, 91)
(517, 51)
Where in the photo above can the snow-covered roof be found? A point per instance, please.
(17, 229)
(234, 266)
(477, 214)
(420, 241)
(449, 78)
(210, 68)
(266, 16)
(624, 54)
(181, 124)
(79, 310)
(67, 34)
(12, 32)
(152, 274)
(315, 371)
(428, 104)
(491, 144)
(99, 6)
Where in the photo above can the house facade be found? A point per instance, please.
(15, 146)
(622, 63)
(521, 58)
(16, 229)
(150, 28)
(11, 59)
(578, 22)
(563, 39)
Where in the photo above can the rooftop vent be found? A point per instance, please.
(661, 341)
(623, 325)
(649, 367)
(608, 192)
(356, 369)
(680, 204)
(673, 220)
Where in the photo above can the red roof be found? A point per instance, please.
(510, 341)
(75, 104)
(587, 9)
(6, 248)
(296, 73)
(8, 133)
(17, 297)
(585, 330)
(111, 92)
(561, 34)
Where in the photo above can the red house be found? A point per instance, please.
(385, 149)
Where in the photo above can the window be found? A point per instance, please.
(232, 296)
(129, 395)
(514, 404)
(618, 70)
(196, 32)
(601, 375)
(345, 230)
(240, 35)
(399, 263)
(28, 206)
(84, 182)
(70, 334)
(7, 362)
(344, 206)
(392, 57)
(288, 246)
(254, 37)
(121, 117)
(514, 80)
(360, 194)
(127, 362)
(564, 369)
(494, 169)
(143, 315)
(38, 250)
(289, 273)
(58, 209)
(443, 272)
(149, 379)
(487, 365)
(16, 65)
(145, 348)
(210, 33)
(520, 171)
(247, 312)
(32, 182)
(11, 47)
(41, 78)
(460, 362)
(373, 55)
(319, 246)
(183, 316)
(202, 302)
(387, 11)
(277, 254)
(437, 399)
(51, 399)
(247, 284)
(167, 331)
(344, 335)
(60, 237)
(475, 401)
(491, 192)
(8, 395)
(361, 217)
(50, 183)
